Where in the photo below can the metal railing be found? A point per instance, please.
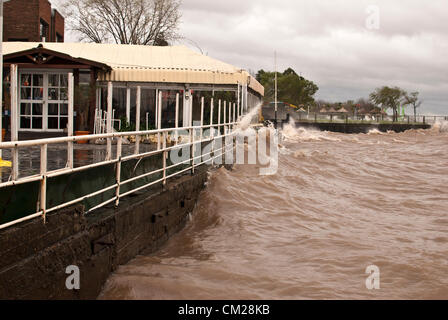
(377, 119)
(195, 135)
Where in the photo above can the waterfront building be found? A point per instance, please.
(169, 72)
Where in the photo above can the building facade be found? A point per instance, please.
(164, 75)
(32, 21)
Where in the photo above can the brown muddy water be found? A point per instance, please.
(338, 204)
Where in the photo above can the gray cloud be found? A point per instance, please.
(327, 41)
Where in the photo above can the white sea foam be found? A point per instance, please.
(440, 126)
(292, 134)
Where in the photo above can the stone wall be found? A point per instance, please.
(360, 127)
(34, 256)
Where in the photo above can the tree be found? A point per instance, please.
(140, 22)
(413, 100)
(292, 88)
(387, 97)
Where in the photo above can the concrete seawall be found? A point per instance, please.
(360, 127)
(34, 256)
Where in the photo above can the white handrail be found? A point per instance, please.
(164, 149)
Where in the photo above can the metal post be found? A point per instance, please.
(176, 121)
(118, 171)
(165, 155)
(14, 120)
(71, 95)
(192, 149)
(156, 109)
(212, 129)
(128, 105)
(238, 100)
(137, 119)
(109, 119)
(219, 116)
(224, 119)
(212, 107)
(275, 92)
(159, 120)
(43, 183)
(234, 112)
(190, 110)
(202, 115)
(230, 114)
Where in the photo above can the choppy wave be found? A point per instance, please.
(338, 204)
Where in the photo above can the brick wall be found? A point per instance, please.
(58, 25)
(22, 20)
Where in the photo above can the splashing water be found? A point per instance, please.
(292, 134)
(375, 131)
(246, 121)
(440, 126)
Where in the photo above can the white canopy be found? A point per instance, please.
(132, 63)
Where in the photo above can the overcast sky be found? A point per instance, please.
(328, 42)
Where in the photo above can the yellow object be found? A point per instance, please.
(4, 163)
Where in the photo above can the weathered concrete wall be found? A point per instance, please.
(361, 127)
(34, 256)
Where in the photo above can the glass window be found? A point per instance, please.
(53, 80)
(37, 93)
(63, 122)
(38, 80)
(64, 80)
(25, 93)
(53, 109)
(25, 80)
(25, 108)
(148, 106)
(43, 31)
(53, 94)
(64, 109)
(53, 123)
(37, 122)
(37, 109)
(119, 103)
(25, 122)
(63, 94)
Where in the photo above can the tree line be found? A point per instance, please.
(296, 90)
(292, 88)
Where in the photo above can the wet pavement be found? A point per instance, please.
(83, 154)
